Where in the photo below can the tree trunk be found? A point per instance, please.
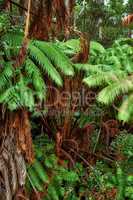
(16, 147)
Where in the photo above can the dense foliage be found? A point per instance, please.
(113, 71)
(82, 144)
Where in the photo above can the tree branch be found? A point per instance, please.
(23, 8)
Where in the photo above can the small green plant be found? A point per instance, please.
(58, 182)
(123, 145)
(45, 171)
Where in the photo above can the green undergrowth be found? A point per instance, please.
(105, 180)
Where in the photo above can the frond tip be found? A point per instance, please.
(57, 58)
(111, 92)
(126, 110)
(101, 78)
(40, 58)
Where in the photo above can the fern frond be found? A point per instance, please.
(92, 68)
(17, 96)
(120, 87)
(39, 57)
(116, 61)
(27, 98)
(85, 67)
(5, 75)
(126, 110)
(35, 75)
(102, 78)
(11, 98)
(54, 54)
(96, 46)
(12, 42)
(25, 93)
(73, 44)
(123, 41)
(13, 38)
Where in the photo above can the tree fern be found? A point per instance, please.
(44, 60)
(115, 60)
(45, 64)
(72, 46)
(36, 77)
(57, 57)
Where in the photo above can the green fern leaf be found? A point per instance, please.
(5, 75)
(53, 193)
(36, 54)
(12, 41)
(108, 94)
(126, 110)
(56, 56)
(89, 68)
(96, 46)
(11, 98)
(27, 99)
(73, 44)
(102, 78)
(35, 75)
